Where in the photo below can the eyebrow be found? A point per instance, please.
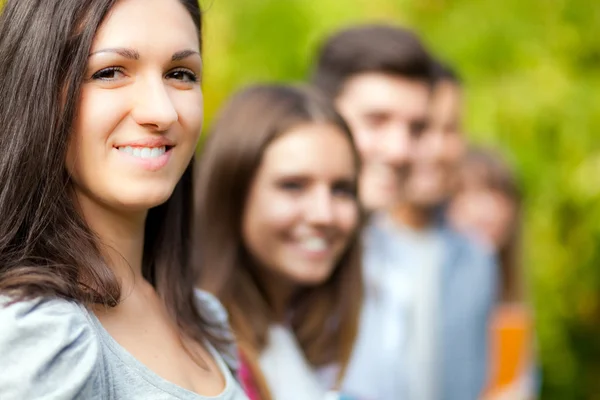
(134, 55)
(127, 53)
(180, 55)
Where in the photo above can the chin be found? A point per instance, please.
(144, 200)
(314, 278)
(428, 201)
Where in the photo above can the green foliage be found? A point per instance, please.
(531, 71)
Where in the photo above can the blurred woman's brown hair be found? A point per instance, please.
(324, 318)
(486, 169)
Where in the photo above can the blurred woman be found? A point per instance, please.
(488, 207)
(100, 114)
(277, 221)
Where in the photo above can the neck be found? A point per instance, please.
(279, 294)
(414, 217)
(121, 237)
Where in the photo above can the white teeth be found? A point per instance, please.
(156, 152)
(314, 244)
(144, 152)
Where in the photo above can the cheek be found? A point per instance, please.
(268, 218)
(99, 113)
(490, 218)
(190, 110)
(504, 219)
(348, 218)
(469, 210)
(267, 227)
(280, 216)
(454, 148)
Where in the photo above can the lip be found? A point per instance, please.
(149, 164)
(429, 173)
(149, 142)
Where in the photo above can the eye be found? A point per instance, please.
(108, 74)
(291, 186)
(376, 119)
(344, 189)
(183, 75)
(417, 128)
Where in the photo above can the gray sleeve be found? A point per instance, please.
(213, 312)
(48, 350)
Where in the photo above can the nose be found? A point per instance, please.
(319, 208)
(154, 108)
(396, 145)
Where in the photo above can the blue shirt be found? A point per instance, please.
(424, 323)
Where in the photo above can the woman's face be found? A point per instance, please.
(487, 213)
(302, 211)
(140, 112)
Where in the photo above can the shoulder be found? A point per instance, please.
(475, 264)
(210, 308)
(469, 249)
(213, 313)
(48, 349)
(379, 239)
(376, 228)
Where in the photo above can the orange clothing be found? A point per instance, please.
(511, 332)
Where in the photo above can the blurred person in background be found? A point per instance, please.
(429, 290)
(278, 221)
(438, 152)
(488, 206)
(380, 79)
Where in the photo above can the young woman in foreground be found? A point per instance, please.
(101, 109)
(278, 223)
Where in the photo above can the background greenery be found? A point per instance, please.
(532, 69)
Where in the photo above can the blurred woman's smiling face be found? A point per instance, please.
(302, 211)
(141, 107)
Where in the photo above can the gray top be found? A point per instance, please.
(57, 349)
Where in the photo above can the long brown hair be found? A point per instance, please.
(325, 317)
(493, 173)
(46, 248)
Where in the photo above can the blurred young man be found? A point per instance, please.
(437, 153)
(428, 290)
(380, 79)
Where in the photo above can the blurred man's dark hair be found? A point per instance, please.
(371, 48)
(444, 72)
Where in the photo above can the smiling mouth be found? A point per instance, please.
(314, 244)
(144, 152)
